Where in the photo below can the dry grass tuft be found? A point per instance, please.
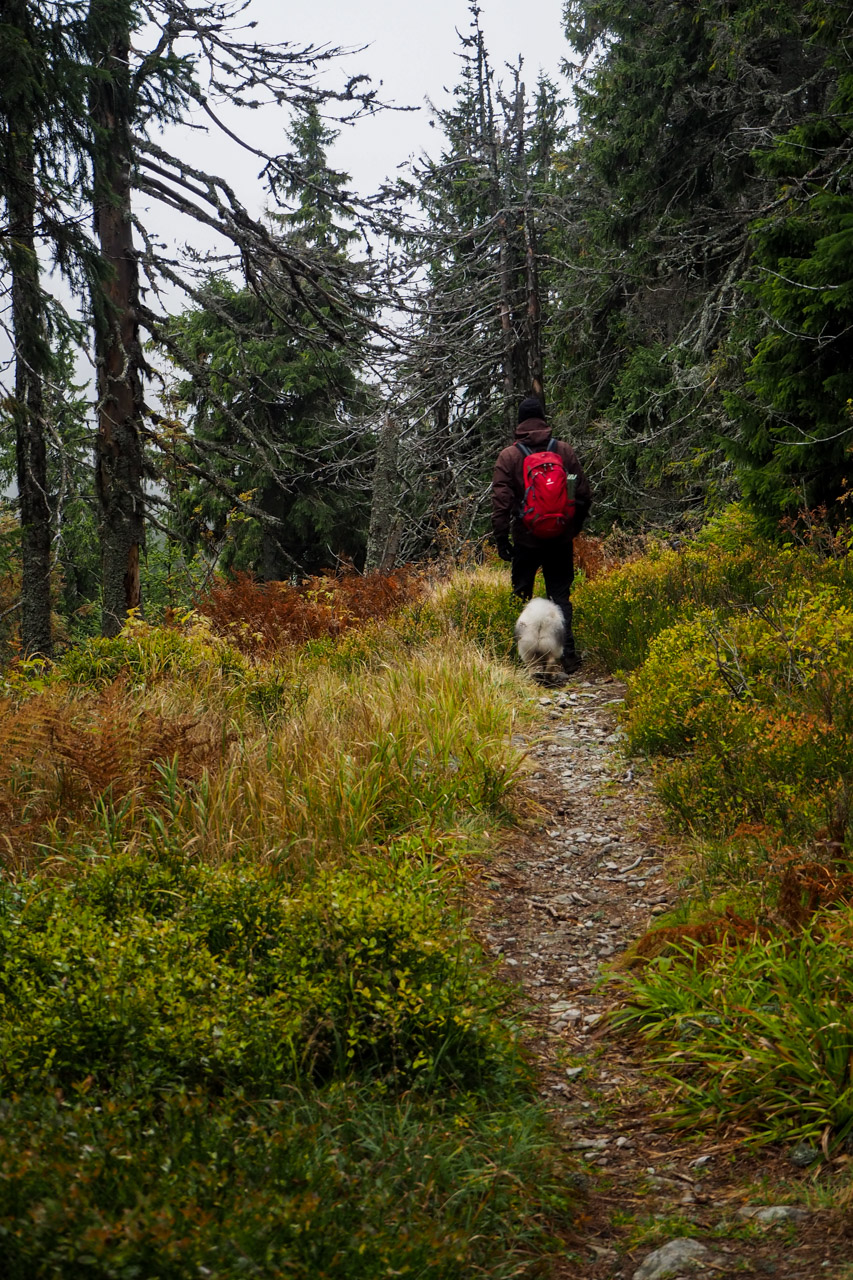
(728, 929)
(59, 756)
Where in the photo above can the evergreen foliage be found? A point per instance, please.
(675, 102)
(273, 401)
(670, 270)
(795, 409)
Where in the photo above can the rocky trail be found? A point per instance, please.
(558, 905)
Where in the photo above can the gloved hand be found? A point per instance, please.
(503, 545)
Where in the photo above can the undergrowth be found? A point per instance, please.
(243, 1026)
(740, 690)
(262, 618)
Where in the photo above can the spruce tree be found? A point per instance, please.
(476, 345)
(794, 449)
(675, 102)
(271, 402)
(41, 102)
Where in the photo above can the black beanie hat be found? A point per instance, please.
(531, 407)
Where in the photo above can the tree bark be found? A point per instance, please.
(119, 461)
(383, 539)
(31, 359)
(534, 309)
(507, 334)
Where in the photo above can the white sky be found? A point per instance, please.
(411, 48)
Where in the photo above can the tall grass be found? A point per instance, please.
(352, 762)
(757, 1035)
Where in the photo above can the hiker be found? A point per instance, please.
(528, 496)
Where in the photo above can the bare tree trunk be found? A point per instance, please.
(119, 460)
(534, 310)
(31, 359)
(507, 335)
(386, 526)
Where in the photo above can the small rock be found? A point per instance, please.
(803, 1154)
(573, 1072)
(673, 1257)
(580, 1181)
(773, 1213)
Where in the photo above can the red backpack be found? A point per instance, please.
(548, 502)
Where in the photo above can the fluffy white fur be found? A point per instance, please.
(540, 632)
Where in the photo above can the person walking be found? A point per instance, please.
(521, 475)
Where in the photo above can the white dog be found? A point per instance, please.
(540, 633)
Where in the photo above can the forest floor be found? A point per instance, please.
(558, 905)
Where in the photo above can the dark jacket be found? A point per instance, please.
(508, 485)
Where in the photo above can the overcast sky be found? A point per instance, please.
(412, 48)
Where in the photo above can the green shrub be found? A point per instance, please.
(154, 884)
(763, 702)
(619, 613)
(786, 771)
(678, 689)
(145, 654)
(201, 1072)
(758, 1034)
(195, 976)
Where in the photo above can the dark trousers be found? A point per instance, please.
(558, 569)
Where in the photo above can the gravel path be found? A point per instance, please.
(558, 905)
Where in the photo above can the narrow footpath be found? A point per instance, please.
(558, 904)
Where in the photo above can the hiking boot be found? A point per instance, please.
(571, 662)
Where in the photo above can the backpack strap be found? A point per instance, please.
(551, 447)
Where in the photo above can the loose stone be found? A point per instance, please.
(674, 1257)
